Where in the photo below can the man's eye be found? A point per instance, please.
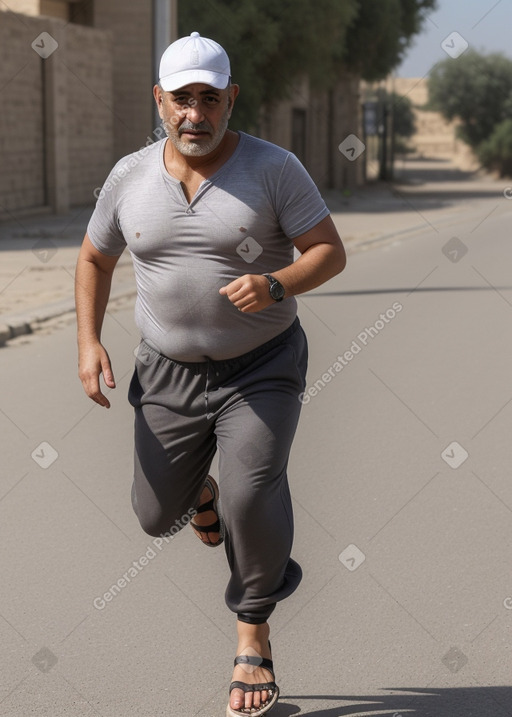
(212, 99)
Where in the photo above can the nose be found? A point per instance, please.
(194, 114)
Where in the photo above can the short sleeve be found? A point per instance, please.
(103, 228)
(299, 204)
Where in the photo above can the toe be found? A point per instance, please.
(248, 700)
(237, 699)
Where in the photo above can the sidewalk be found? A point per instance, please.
(37, 266)
(38, 253)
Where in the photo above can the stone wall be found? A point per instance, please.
(90, 110)
(131, 30)
(68, 116)
(22, 149)
(56, 123)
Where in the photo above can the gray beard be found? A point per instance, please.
(190, 149)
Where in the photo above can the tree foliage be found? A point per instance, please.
(381, 33)
(475, 89)
(273, 43)
(495, 153)
(404, 123)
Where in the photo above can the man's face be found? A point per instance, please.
(196, 116)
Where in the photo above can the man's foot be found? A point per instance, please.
(206, 523)
(253, 642)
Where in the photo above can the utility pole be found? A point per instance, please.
(165, 31)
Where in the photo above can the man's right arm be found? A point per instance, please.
(93, 279)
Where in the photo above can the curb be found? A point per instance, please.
(23, 324)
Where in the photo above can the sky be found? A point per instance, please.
(485, 25)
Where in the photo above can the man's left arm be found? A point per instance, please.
(322, 256)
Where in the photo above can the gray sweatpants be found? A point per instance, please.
(247, 408)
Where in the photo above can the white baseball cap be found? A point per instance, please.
(194, 59)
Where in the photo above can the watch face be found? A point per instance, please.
(277, 291)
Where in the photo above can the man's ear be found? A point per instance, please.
(157, 94)
(233, 94)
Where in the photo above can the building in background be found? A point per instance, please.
(76, 82)
(314, 123)
(76, 94)
(435, 137)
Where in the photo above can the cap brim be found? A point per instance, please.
(189, 77)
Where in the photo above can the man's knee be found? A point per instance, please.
(158, 523)
(155, 528)
(162, 526)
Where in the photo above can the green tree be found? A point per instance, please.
(404, 123)
(476, 89)
(271, 44)
(381, 33)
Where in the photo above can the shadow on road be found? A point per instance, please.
(424, 179)
(417, 702)
(418, 172)
(420, 185)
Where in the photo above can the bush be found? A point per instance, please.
(404, 123)
(476, 89)
(495, 153)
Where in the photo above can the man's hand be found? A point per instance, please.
(249, 293)
(94, 360)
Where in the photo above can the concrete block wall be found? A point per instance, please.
(90, 110)
(56, 123)
(22, 160)
(130, 25)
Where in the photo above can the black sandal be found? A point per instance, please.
(270, 687)
(218, 526)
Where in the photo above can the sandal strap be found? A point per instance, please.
(256, 661)
(209, 505)
(267, 686)
(213, 528)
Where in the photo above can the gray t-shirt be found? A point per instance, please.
(241, 221)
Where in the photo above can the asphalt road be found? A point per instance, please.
(402, 495)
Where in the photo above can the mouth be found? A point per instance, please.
(194, 133)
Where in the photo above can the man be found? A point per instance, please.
(211, 218)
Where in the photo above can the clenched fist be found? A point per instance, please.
(249, 293)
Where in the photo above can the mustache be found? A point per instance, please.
(200, 127)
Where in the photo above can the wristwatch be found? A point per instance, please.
(277, 290)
